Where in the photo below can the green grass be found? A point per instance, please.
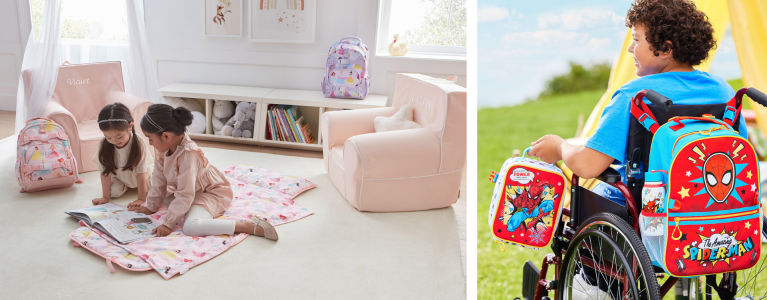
(499, 131)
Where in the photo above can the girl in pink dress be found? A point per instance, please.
(199, 190)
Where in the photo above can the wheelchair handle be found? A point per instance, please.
(757, 96)
(660, 100)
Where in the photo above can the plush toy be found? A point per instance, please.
(198, 124)
(403, 119)
(218, 124)
(223, 109)
(245, 111)
(247, 128)
(398, 49)
(190, 104)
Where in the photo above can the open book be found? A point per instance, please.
(116, 221)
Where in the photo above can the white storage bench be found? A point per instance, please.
(311, 103)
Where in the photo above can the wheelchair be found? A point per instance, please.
(598, 253)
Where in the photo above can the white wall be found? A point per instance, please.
(10, 53)
(185, 54)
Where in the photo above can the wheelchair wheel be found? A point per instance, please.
(750, 286)
(606, 260)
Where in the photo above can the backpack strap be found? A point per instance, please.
(642, 113)
(25, 139)
(68, 164)
(732, 111)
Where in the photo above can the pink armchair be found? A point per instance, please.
(81, 92)
(404, 170)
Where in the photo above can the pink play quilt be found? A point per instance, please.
(257, 191)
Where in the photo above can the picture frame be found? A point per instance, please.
(223, 18)
(268, 16)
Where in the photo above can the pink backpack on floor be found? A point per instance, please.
(44, 158)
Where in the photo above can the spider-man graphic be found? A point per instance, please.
(530, 203)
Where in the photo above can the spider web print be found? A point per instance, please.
(536, 236)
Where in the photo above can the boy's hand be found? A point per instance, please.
(141, 210)
(161, 231)
(99, 201)
(548, 148)
(136, 203)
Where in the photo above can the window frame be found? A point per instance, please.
(383, 36)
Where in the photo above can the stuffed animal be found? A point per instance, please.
(198, 124)
(190, 104)
(398, 49)
(218, 125)
(223, 109)
(245, 111)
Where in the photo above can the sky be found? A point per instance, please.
(521, 44)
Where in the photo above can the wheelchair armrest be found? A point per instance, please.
(610, 175)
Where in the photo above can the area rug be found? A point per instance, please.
(336, 253)
(263, 193)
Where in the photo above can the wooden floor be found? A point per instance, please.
(7, 125)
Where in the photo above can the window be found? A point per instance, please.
(427, 26)
(91, 30)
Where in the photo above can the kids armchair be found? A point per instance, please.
(403, 170)
(81, 92)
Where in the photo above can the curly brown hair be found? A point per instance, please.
(678, 21)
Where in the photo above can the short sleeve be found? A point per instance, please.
(611, 135)
(95, 158)
(146, 157)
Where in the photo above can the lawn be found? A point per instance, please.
(499, 131)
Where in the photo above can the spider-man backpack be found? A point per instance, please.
(527, 202)
(701, 210)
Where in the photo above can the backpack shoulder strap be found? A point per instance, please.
(732, 111)
(642, 113)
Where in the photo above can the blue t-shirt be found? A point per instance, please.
(684, 88)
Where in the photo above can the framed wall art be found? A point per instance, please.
(223, 18)
(283, 21)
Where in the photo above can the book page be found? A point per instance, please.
(98, 212)
(128, 228)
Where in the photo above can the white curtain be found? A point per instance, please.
(141, 72)
(115, 31)
(41, 63)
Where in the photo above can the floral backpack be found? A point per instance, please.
(701, 211)
(527, 202)
(346, 70)
(44, 158)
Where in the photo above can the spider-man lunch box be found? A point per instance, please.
(527, 202)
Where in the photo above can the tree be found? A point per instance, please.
(578, 79)
(445, 25)
(36, 7)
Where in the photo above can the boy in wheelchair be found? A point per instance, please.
(671, 37)
(665, 51)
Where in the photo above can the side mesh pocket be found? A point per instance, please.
(653, 229)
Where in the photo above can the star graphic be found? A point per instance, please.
(688, 173)
(684, 192)
(753, 187)
(748, 174)
(677, 249)
(756, 231)
(743, 191)
(701, 228)
(748, 225)
(559, 183)
(712, 229)
(280, 19)
(695, 185)
(499, 231)
(683, 238)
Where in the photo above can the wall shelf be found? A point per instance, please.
(311, 103)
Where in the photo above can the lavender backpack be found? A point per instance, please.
(346, 72)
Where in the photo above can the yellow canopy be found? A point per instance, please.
(749, 31)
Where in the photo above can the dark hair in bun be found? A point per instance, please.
(160, 118)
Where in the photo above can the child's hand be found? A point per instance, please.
(136, 203)
(99, 201)
(547, 148)
(161, 231)
(141, 210)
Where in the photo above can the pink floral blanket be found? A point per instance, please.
(257, 191)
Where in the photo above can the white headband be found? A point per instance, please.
(113, 120)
